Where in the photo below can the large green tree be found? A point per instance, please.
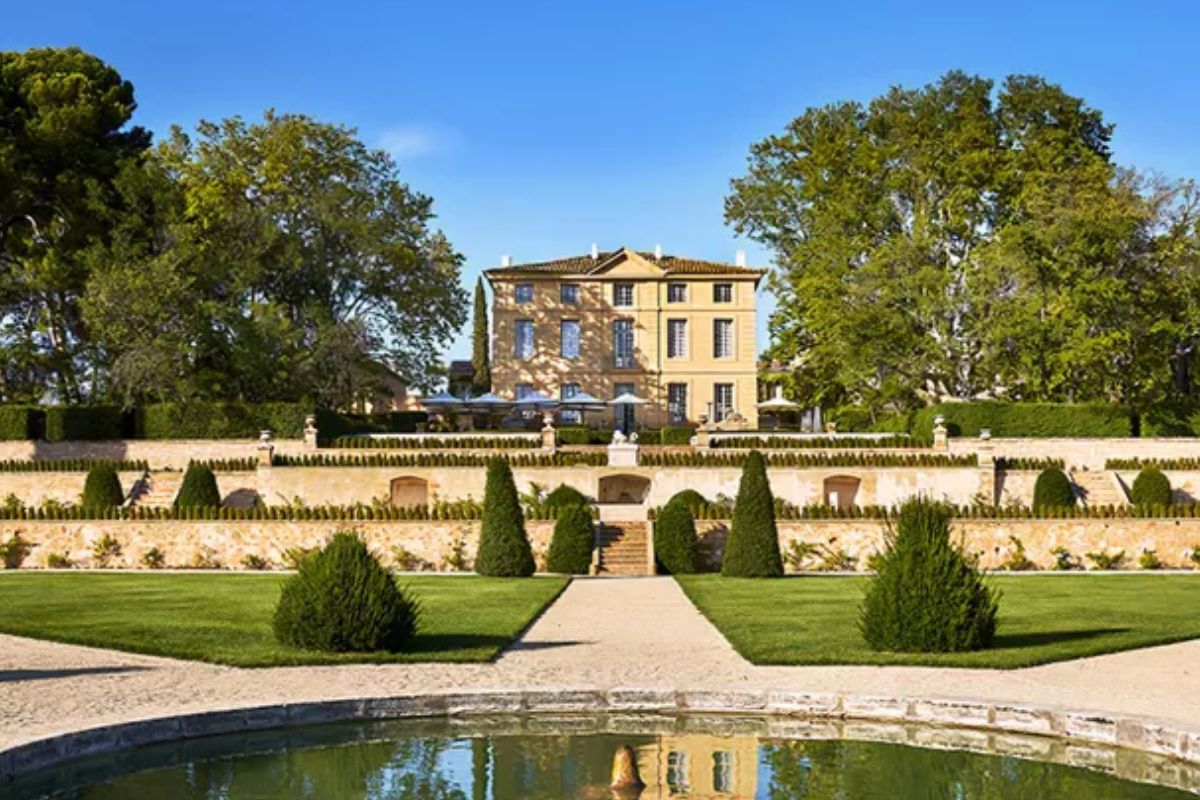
(960, 239)
(63, 141)
(291, 257)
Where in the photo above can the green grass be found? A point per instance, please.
(1043, 618)
(226, 618)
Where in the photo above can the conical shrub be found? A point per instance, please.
(1151, 488)
(1053, 489)
(926, 596)
(676, 547)
(342, 600)
(102, 489)
(689, 499)
(503, 545)
(574, 538)
(199, 488)
(752, 549)
(564, 496)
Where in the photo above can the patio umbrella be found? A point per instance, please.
(582, 402)
(536, 402)
(440, 400)
(488, 404)
(626, 401)
(777, 404)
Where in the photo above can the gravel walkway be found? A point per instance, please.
(601, 633)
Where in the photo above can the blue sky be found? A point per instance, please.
(542, 127)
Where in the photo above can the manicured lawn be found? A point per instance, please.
(1043, 618)
(226, 618)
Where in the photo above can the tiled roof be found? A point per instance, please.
(581, 265)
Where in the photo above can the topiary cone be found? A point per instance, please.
(752, 549)
(504, 549)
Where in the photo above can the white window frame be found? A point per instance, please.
(518, 325)
(523, 288)
(631, 361)
(677, 344)
(617, 290)
(720, 410)
(562, 336)
(718, 351)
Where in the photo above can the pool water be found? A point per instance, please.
(530, 758)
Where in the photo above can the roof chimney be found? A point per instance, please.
(658, 252)
(739, 258)
(595, 252)
(506, 261)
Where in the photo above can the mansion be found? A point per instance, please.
(676, 332)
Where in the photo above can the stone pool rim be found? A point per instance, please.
(1129, 732)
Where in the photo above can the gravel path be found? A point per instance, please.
(601, 633)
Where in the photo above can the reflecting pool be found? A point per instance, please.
(677, 757)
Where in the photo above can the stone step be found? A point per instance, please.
(158, 489)
(623, 547)
(1098, 488)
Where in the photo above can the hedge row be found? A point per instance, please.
(333, 425)
(456, 510)
(197, 420)
(1183, 464)
(1084, 420)
(786, 511)
(676, 436)
(500, 442)
(1030, 463)
(439, 460)
(72, 465)
(818, 443)
(652, 459)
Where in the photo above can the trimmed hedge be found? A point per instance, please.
(818, 443)
(457, 442)
(1151, 488)
(926, 596)
(1179, 464)
(752, 549)
(72, 465)
(333, 425)
(565, 496)
(343, 600)
(504, 549)
(1053, 490)
(676, 546)
(675, 436)
(75, 423)
(360, 512)
(651, 458)
(102, 489)
(202, 420)
(439, 460)
(571, 548)
(1035, 420)
(21, 423)
(199, 488)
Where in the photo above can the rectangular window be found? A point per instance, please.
(524, 390)
(677, 338)
(568, 293)
(570, 339)
(677, 403)
(676, 292)
(569, 415)
(722, 338)
(722, 292)
(623, 343)
(622, 294)
(722, 400)
(723, 771)
(523, 339)
(678, 781)
(524, 292)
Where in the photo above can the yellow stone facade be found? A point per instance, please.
(707, 308)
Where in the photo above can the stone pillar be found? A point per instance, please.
(549, 436)
(703, 439)
(941, 436)
(266, 448)
(622, 452)
(310, 432)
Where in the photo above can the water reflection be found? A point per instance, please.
(353, 763)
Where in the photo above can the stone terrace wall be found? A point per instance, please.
(34, 488)
(160, 454)
(989, 539)
(1089, 453)
(227, 543)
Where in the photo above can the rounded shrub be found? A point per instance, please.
(1053, 489)
(102, 489)
(574, 538)
(752, 549)
(565, 496)
(1151, 488)
(199, 488)
(926, 596)
(676, 548)
(343, 600)
(504, 549)
(689, 499)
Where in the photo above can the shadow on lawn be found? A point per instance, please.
(1042, 638)
(437, 643)
(18, 675)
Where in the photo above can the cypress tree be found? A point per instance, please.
(574, 537)
(102, 489)
(752, 549)
(676, 548)
(926, 596)
(504, 549)
(199, 488)
(481, 358)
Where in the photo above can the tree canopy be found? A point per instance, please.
(280, 259)
(962, 240)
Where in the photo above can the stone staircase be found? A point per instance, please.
(1098, 488)
(156, 489)
(622, 548)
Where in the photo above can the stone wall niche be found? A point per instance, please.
(408, 491)
(841, 490)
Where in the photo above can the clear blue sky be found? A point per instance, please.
(542, 127)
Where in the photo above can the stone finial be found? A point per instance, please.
(941, 436)
(266, 448)
(625, 774)
(549, 435)
(310, 431)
